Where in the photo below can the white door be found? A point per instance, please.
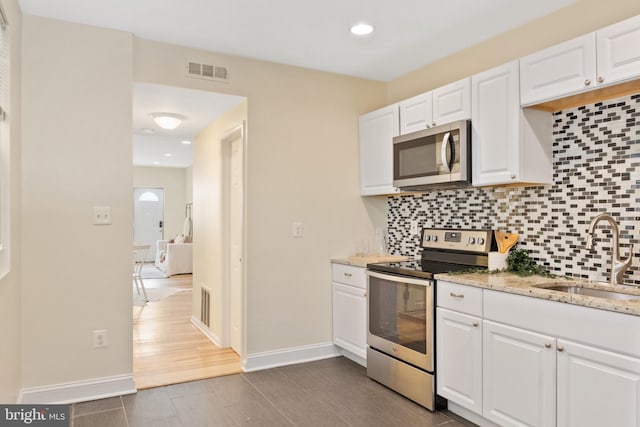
(416, 113)
(617, 52)
(377, 130)
(597, 387)
(148, 217)
(452, 102)
(459, 358)
(235, 240)
(350, 318)
(518, 376)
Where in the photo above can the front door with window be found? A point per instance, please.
(149, 217)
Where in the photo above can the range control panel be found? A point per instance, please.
(457, 239)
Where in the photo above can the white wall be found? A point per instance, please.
(174, 183)
(76, 147)
(10, 285)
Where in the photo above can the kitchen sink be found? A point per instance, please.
(591, 292)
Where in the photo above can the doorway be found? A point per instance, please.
(148, 218)
(233, 146)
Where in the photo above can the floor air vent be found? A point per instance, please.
(207, 72)
(205, 305)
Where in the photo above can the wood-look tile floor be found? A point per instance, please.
(167, 348)
(330, 392)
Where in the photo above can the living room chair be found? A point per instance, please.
(139, 257)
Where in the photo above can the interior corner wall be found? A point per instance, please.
(173, 181)
(10, 284)
(302, 166)
(209, 213)
(580, 18)
(188, 184)
(76, 154)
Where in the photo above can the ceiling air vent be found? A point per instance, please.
(207, 72)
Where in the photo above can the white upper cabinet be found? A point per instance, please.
(619, 51)
(377, 130)
(510, 145)
(606, 57)
(416, 113)
(560, 70)
(452, 102)
(442, 105)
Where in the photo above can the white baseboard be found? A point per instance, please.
(79, 391)
(205, 331)
(289, 356)
(354, 357)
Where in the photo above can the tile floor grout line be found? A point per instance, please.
(268, 400)
(124, 410)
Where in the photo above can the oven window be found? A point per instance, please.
(397, 313)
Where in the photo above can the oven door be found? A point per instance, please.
(400, 316)
(431, 156)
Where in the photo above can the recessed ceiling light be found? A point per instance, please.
(185, 142)
(168, 121)
(362, 29)
(167, 154)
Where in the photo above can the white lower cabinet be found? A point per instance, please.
(597, 387)
(519, 376)
(511, 360)
(459, 358)
(349, 294)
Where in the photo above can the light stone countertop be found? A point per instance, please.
(529, 286)
(362, 261)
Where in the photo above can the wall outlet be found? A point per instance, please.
(102, 215)
(100, 338)
(413, 228)
(296, 229)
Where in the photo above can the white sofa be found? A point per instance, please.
(174, 258)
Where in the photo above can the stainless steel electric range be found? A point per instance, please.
(401, 309)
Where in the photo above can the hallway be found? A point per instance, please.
(167, 348)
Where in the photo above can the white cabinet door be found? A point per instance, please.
(495, 125)
(597, 387)
(377, 130)
(452, 102)
(559, 70)
(619, 51)
(519, 376)
(350, 319)
(416, 113)
(459, 358)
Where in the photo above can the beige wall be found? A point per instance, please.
(174, 183)
(302, 157)
(10, 285)
(572, 21)
(76, 147)
(208, 212)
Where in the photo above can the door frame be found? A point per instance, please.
(236, 132)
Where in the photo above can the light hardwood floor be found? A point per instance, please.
(167, 348)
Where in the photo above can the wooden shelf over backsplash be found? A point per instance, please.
(590, 97)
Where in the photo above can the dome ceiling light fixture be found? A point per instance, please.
(362, 29)
(167, 121)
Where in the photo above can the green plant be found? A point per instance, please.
(520, 263)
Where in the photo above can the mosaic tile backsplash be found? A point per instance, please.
(596, 169)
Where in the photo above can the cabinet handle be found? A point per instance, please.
(587, 82)
(456, 295)
(560, 348)
(547, 345)
(513, 177)
(475, 324)
(348, 274)
(433, 124)
(600, 79)
(365, 294)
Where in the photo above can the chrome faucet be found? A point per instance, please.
(618, 266)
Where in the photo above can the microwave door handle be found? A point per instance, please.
(443, 151)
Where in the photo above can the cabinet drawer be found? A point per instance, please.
(349, 275)
(465, 299)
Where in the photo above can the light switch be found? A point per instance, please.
(296, 229)
(101, 215)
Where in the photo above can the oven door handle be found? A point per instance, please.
(400, 279)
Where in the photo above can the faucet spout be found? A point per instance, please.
(618, 266)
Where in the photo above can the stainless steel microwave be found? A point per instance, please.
(436, 157)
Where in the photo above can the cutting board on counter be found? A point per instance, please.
(362, 261)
